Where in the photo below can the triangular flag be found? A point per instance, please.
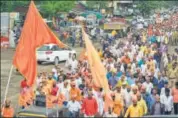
(35, 33)
(97, 69)
(83, 55)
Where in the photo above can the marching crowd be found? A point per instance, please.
(142, 76)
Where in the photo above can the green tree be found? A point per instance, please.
(97, 4)
(47, 8)
(52, 8)
(146, 7)
(10, 6)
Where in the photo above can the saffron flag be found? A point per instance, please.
(35, 33)
(83, 55)
(97, 69)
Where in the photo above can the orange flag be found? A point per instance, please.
(97, 68)
(34, 34)
(83, 55)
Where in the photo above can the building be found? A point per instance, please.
(79, 8)
(121, 8)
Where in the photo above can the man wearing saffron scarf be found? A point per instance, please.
(74, 91)
(7, 110)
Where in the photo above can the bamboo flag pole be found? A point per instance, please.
(7, 86)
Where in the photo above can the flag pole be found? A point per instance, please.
(7, 86)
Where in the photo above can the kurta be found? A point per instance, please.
(75, 92)
(7, 112)
(89, 107)
(118, 107)
(133, 111)
(143, 107)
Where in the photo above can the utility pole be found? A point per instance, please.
(112, 7)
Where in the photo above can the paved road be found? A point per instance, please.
(16, 78)
(6, 63)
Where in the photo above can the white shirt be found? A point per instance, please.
(167, 101)
(140, 54)
(131, 55)
(114, 51)
(68, 62)
(156, 72)
(133, 68)
(163, 91)
(60, 86)
(11, 39)
(143, 69)
(148, 86)
(128, 98)
(93, 32)
(38, 81)
(159, 38)
(122, 68)
(73, 106)
(54, 70)
(78, 81)
(110, 115)
(110, 65)
(65, 92)
(118, 52)
(74, 65)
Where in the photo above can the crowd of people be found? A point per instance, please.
(142, 76)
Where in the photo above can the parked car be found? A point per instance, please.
(52, 53)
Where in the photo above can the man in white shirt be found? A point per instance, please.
(110, 113)
(39, 80)
(128, 97)
(133, 67)
(163, 90)
(99, 98)
(65, 90)
(74, 64)
(148, 85)
(60, 83)
(73, 107)
(54, 70)
(143, 69)
(78, 80)
(167, 100)
(68, 61)
(127, 94)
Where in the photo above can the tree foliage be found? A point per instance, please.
(47, 8)
(10, 6)
(146, 7)
(51, 8)
(97, 4)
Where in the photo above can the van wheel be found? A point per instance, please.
(56, 61)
